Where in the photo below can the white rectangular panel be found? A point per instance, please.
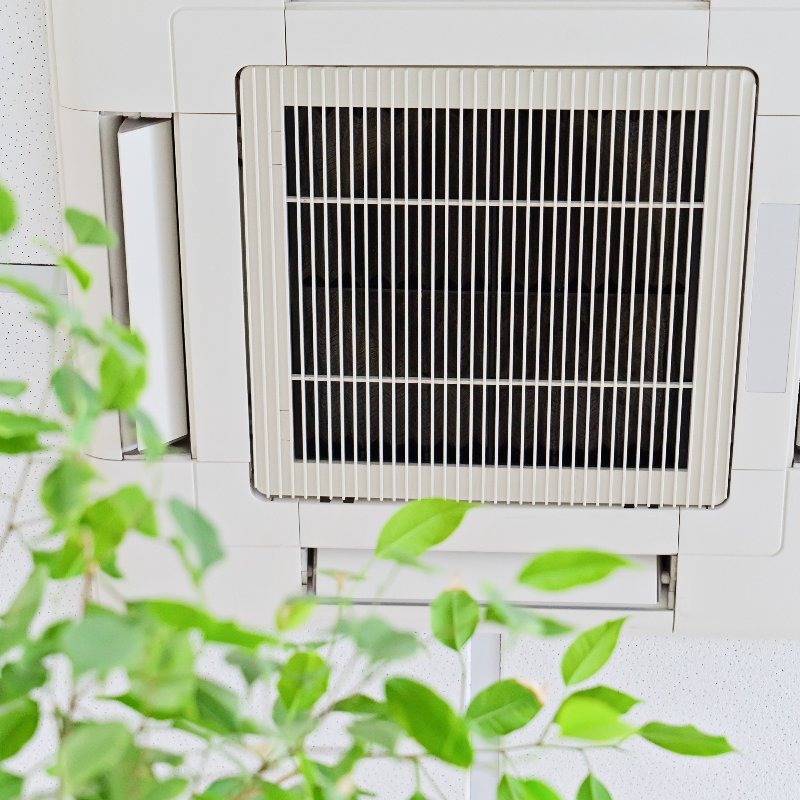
(775, 268)
(206, 153)
(502, 528)
(494, 33)
(147, 177)
(765, 422)
(728, 595)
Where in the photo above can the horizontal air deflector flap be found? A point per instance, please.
(629, 588)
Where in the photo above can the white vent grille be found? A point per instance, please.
(501, 285)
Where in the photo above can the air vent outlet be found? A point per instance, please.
(505, 285)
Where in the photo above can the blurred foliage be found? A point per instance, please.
(113, 678)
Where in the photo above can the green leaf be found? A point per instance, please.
(359, 704)
(685, 740)
(198, 542)
(132, 779)
(328, 777)
(65, 489)
(563, 569)
(12, 388)
(163, 682)
(151, 440)
(109, 519)
(252, 666)
(89, 751)
(592, 720)
(501, 708)
(163, 790)
(16, 445)
(524, 789)
(10, 785)
(590, 651)
(592, 789)
(71, 389)
(381, 732)
(184, 617)
(19, 433)
(521, 620)
(123, 376)
(110, 567)
(293, 726)
(14, 424)
(250, 788)
(429, 720)
(417, 527)
(132, 507)
(18, 722)
(88, 229)
(77, 400)
(102, 641)
(18, 618)
(79, 273)
(21, 677)
(66, 562)
(378, 640)
(454, 618)
(619, 701)
(8, 211)
(50, 641)
(154, 755)
(217, 708)
(225, 789)
(294, 612)
(270, 791)
(303, 681)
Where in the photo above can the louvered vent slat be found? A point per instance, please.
(504, 285)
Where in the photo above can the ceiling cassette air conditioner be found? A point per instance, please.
(539, 256)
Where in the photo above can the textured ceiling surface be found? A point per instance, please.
(746, 690)
(27, 141)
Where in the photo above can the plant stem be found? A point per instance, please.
(27, 461)
(518, 748)
(431, 780)
(9, 525)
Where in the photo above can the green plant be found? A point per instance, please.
(121, 689)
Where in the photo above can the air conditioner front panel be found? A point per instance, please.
(501, 285)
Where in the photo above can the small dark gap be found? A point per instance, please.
(797, 436)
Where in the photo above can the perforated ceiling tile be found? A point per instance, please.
(746, 690)
(25, 350)
(28, 162)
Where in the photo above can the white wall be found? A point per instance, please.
(747, 690)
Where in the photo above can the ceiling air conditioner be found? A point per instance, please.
(540, 256)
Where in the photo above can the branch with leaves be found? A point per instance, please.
(122, 687)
